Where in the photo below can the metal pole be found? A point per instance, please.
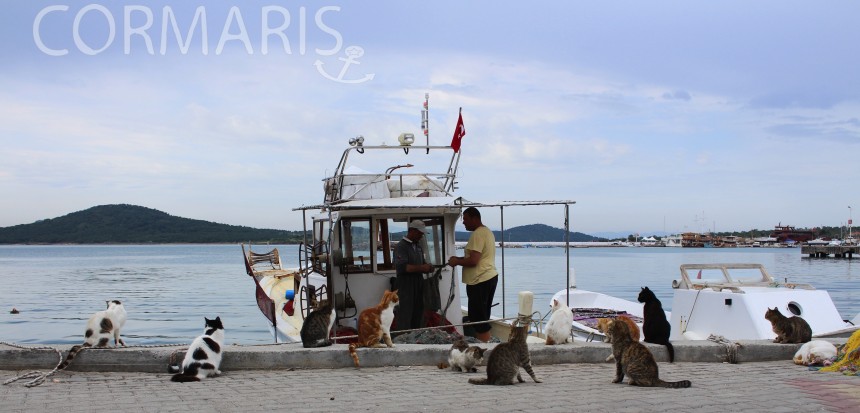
(567, 248)
(502, 213)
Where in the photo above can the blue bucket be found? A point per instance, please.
(290, 294)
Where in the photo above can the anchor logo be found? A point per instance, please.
(352, 54)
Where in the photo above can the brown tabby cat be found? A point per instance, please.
(374, 324)
(507, 358)
(635, 360)
(788, 329)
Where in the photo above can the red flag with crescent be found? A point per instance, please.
(459, 133)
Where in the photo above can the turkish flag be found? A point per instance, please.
(459, 133)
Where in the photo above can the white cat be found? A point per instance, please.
(100, 328)
(464, 357)
(815, 353)
(560, 323)
(203, 357)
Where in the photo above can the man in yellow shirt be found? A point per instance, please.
(479, 271)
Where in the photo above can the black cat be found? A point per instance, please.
(655, 327)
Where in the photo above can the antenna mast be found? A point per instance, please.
(425, 120)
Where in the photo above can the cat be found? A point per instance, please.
(603, 327)
(788, 329)
(318, 324)
(506, 359)
(374, 324)
(560, 323)
(464, 357)
(100, 328)
(655, 327)
(816, 352)
(203, 357)
(636, 361)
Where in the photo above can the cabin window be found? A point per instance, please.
(393, 230)
(356, 244)
(320, 246)
(360, 236)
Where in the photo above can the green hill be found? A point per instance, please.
(130, 224)
(535, 233)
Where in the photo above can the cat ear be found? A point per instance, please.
(218, 319)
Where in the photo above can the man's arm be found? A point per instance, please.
(472, 260)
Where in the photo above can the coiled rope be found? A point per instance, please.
(730, 346)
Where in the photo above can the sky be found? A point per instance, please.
(652, 115)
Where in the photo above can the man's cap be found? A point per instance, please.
(419, 225)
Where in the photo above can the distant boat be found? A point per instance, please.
(783, 233)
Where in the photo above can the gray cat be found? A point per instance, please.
(635, 360)
(507, 358)
(316, 328)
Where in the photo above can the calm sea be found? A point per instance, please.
(168, 289)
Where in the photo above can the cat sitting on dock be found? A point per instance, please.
(603, 327)
(374, 324)
(100, 328)
(788, 329)
(463, 357)
(655, 327)
(633, 359)
(318, 324)
(507, 358)
(560, 323)
(203, 357)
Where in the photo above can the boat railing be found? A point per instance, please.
(355, 184)
(727, 281)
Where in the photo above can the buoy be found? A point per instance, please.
(14, 311)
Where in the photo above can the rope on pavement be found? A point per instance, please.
(731, 347)
(36, 376)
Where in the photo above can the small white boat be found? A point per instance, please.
(730, 300)
(727, 300)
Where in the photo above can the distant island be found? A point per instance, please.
(132, 224)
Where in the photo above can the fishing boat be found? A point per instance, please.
(347, 256)
(727, 300)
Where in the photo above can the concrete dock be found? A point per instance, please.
(405, 378)
(824, 251)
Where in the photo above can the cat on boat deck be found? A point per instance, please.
(788, 329)
(318, 324)
(636, 361)
(464, 357)
(100, 328)
(560, 323)
(655, 327)
(507, 358)
(374, 324)
(203, 357)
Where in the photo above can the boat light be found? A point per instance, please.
(356, 141)
(406, 139)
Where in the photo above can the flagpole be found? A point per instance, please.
(425, 120)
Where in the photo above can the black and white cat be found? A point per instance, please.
(203, 357)
(100, 328)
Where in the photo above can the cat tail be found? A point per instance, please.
(73, 352)
(671, 351)
(683, 384)
(443, 365)
(482, 380)
(354, 355)
(183, 378)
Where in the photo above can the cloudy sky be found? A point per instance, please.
(652, 115)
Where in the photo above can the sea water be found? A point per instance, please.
(167, 290)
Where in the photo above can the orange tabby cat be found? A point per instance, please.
(603, 327)
(374, 324)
